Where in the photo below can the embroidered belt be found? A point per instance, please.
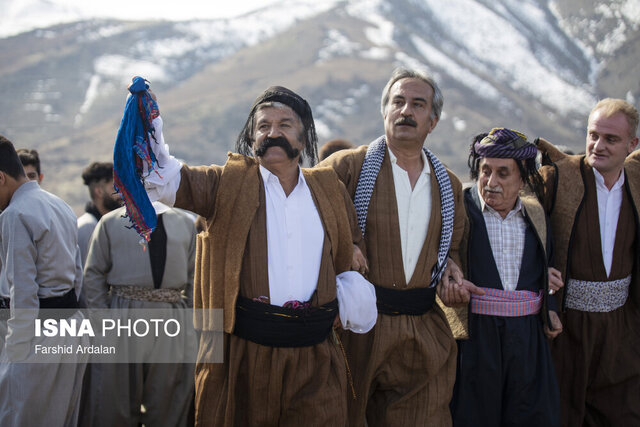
(276, 326)
(600, 297)
(170, 295)
(498, 302)
(414, 301)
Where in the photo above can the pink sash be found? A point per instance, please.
(498, 302)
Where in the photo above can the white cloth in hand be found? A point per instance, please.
(163, 185)
(356, 301)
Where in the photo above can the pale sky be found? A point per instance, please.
(23, 15)
(172, 10)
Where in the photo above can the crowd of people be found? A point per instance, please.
(370, 288)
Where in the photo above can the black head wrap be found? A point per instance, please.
(280, 94)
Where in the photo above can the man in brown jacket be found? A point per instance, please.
(593, 202)
(410, 210)
(278, 238)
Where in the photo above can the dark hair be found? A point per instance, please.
(97, 171)
(276, 96)
(29, 156)
(334, 145)
(528, 169)
(9, 160)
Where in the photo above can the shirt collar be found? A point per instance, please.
(600, 181)
(27, 186)
(268, 176)
(425, 170)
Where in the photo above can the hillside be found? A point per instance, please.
(536, 66)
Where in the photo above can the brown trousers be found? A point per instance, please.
(403, 371)
(270, 386)
(597, 359)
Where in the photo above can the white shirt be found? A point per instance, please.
(609, 202)
(414, 211)
(506, 237)
(295, 234)
(295, 237)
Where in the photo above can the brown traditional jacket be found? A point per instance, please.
(228, 197)
(382, 235)
(565, 182)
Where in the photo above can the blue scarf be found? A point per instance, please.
(132, 150)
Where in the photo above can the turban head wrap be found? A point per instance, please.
(297, 104)
(506, 144)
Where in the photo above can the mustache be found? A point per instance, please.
(406, 121)
(280, 141)
(492, 190)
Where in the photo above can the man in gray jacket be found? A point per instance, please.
(41, 270)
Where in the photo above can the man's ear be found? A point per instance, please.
(434, 122)
(633, 144)
(3, 178)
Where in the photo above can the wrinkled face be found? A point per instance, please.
(408, 114)
(32, 173)
(608, 142)
(278, 135)
(499, 183)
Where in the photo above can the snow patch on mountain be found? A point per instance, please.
(337, 44)
(333, 111)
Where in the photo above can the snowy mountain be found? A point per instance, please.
(534, 65)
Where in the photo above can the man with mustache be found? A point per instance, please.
(410, 211)
(505, 370)
(593, 201)
(278, 238)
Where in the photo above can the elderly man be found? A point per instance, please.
(593, 202)
(505, 370)
(410, 210)
(277, 236)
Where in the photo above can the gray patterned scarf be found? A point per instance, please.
(368, 175)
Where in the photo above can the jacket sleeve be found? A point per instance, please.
(95, 287)
(552, 302)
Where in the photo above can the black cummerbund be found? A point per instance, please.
(68, 300)
(414, 302)
(4, 309)
(276, 326)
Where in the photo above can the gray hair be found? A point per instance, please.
(437, 100)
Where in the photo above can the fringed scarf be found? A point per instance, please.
(132, 152)
(364, 189)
